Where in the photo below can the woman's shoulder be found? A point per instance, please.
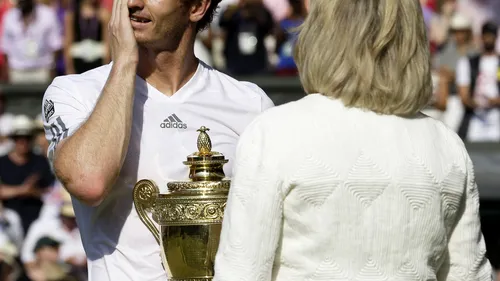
(289, 112)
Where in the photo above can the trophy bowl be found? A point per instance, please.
(186, 222)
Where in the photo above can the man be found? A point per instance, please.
(63, 229)
(245, 27)
(137, 118)
(25, 176)
(458, 45)
(31, 38)
(46, 265)
(478, 81)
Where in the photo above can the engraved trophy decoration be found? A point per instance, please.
(190, 215)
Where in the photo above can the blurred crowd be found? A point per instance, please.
(41, 39)
(39, 237)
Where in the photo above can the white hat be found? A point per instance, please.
(460, 22)
(22, 126)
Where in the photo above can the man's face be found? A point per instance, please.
(462, 36)
(23, 144)
(489, 42)
(48, 254)
(158, 23)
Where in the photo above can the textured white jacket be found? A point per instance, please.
(325, 192)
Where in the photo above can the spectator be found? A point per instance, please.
(62, 229)
(286, 37)
(30, 40)
(478, 86)
(25, 176)
(47, 266)
(246, 26)
(458, 45)
(86, 36)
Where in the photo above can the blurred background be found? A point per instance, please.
(252, 40)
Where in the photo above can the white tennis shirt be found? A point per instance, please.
(117, 243)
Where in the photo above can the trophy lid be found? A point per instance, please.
(205, 155)
(206, 173)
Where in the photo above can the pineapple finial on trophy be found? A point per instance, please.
(204, 142)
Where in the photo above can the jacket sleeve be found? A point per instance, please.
(467, 259)
(253, 217)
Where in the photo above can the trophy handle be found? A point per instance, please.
(145, 194)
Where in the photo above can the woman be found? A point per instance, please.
(86, 40)
(352, 182)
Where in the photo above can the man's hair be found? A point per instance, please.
(489, 28)
(209, 15)
(370, 54)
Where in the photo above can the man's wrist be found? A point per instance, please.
(125, 65)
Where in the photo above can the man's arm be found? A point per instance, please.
(27, 188)
(10, 191)
(89, 161)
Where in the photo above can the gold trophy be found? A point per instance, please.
(189, 216)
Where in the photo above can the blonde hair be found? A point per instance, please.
(371, 54)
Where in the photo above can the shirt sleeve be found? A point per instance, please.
(63, 112)
(253, 217)
(463, 72)
(466, 246)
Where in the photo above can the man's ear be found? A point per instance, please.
(199, 10)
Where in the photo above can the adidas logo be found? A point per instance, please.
(173, 121)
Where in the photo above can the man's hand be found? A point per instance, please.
(121, 35)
